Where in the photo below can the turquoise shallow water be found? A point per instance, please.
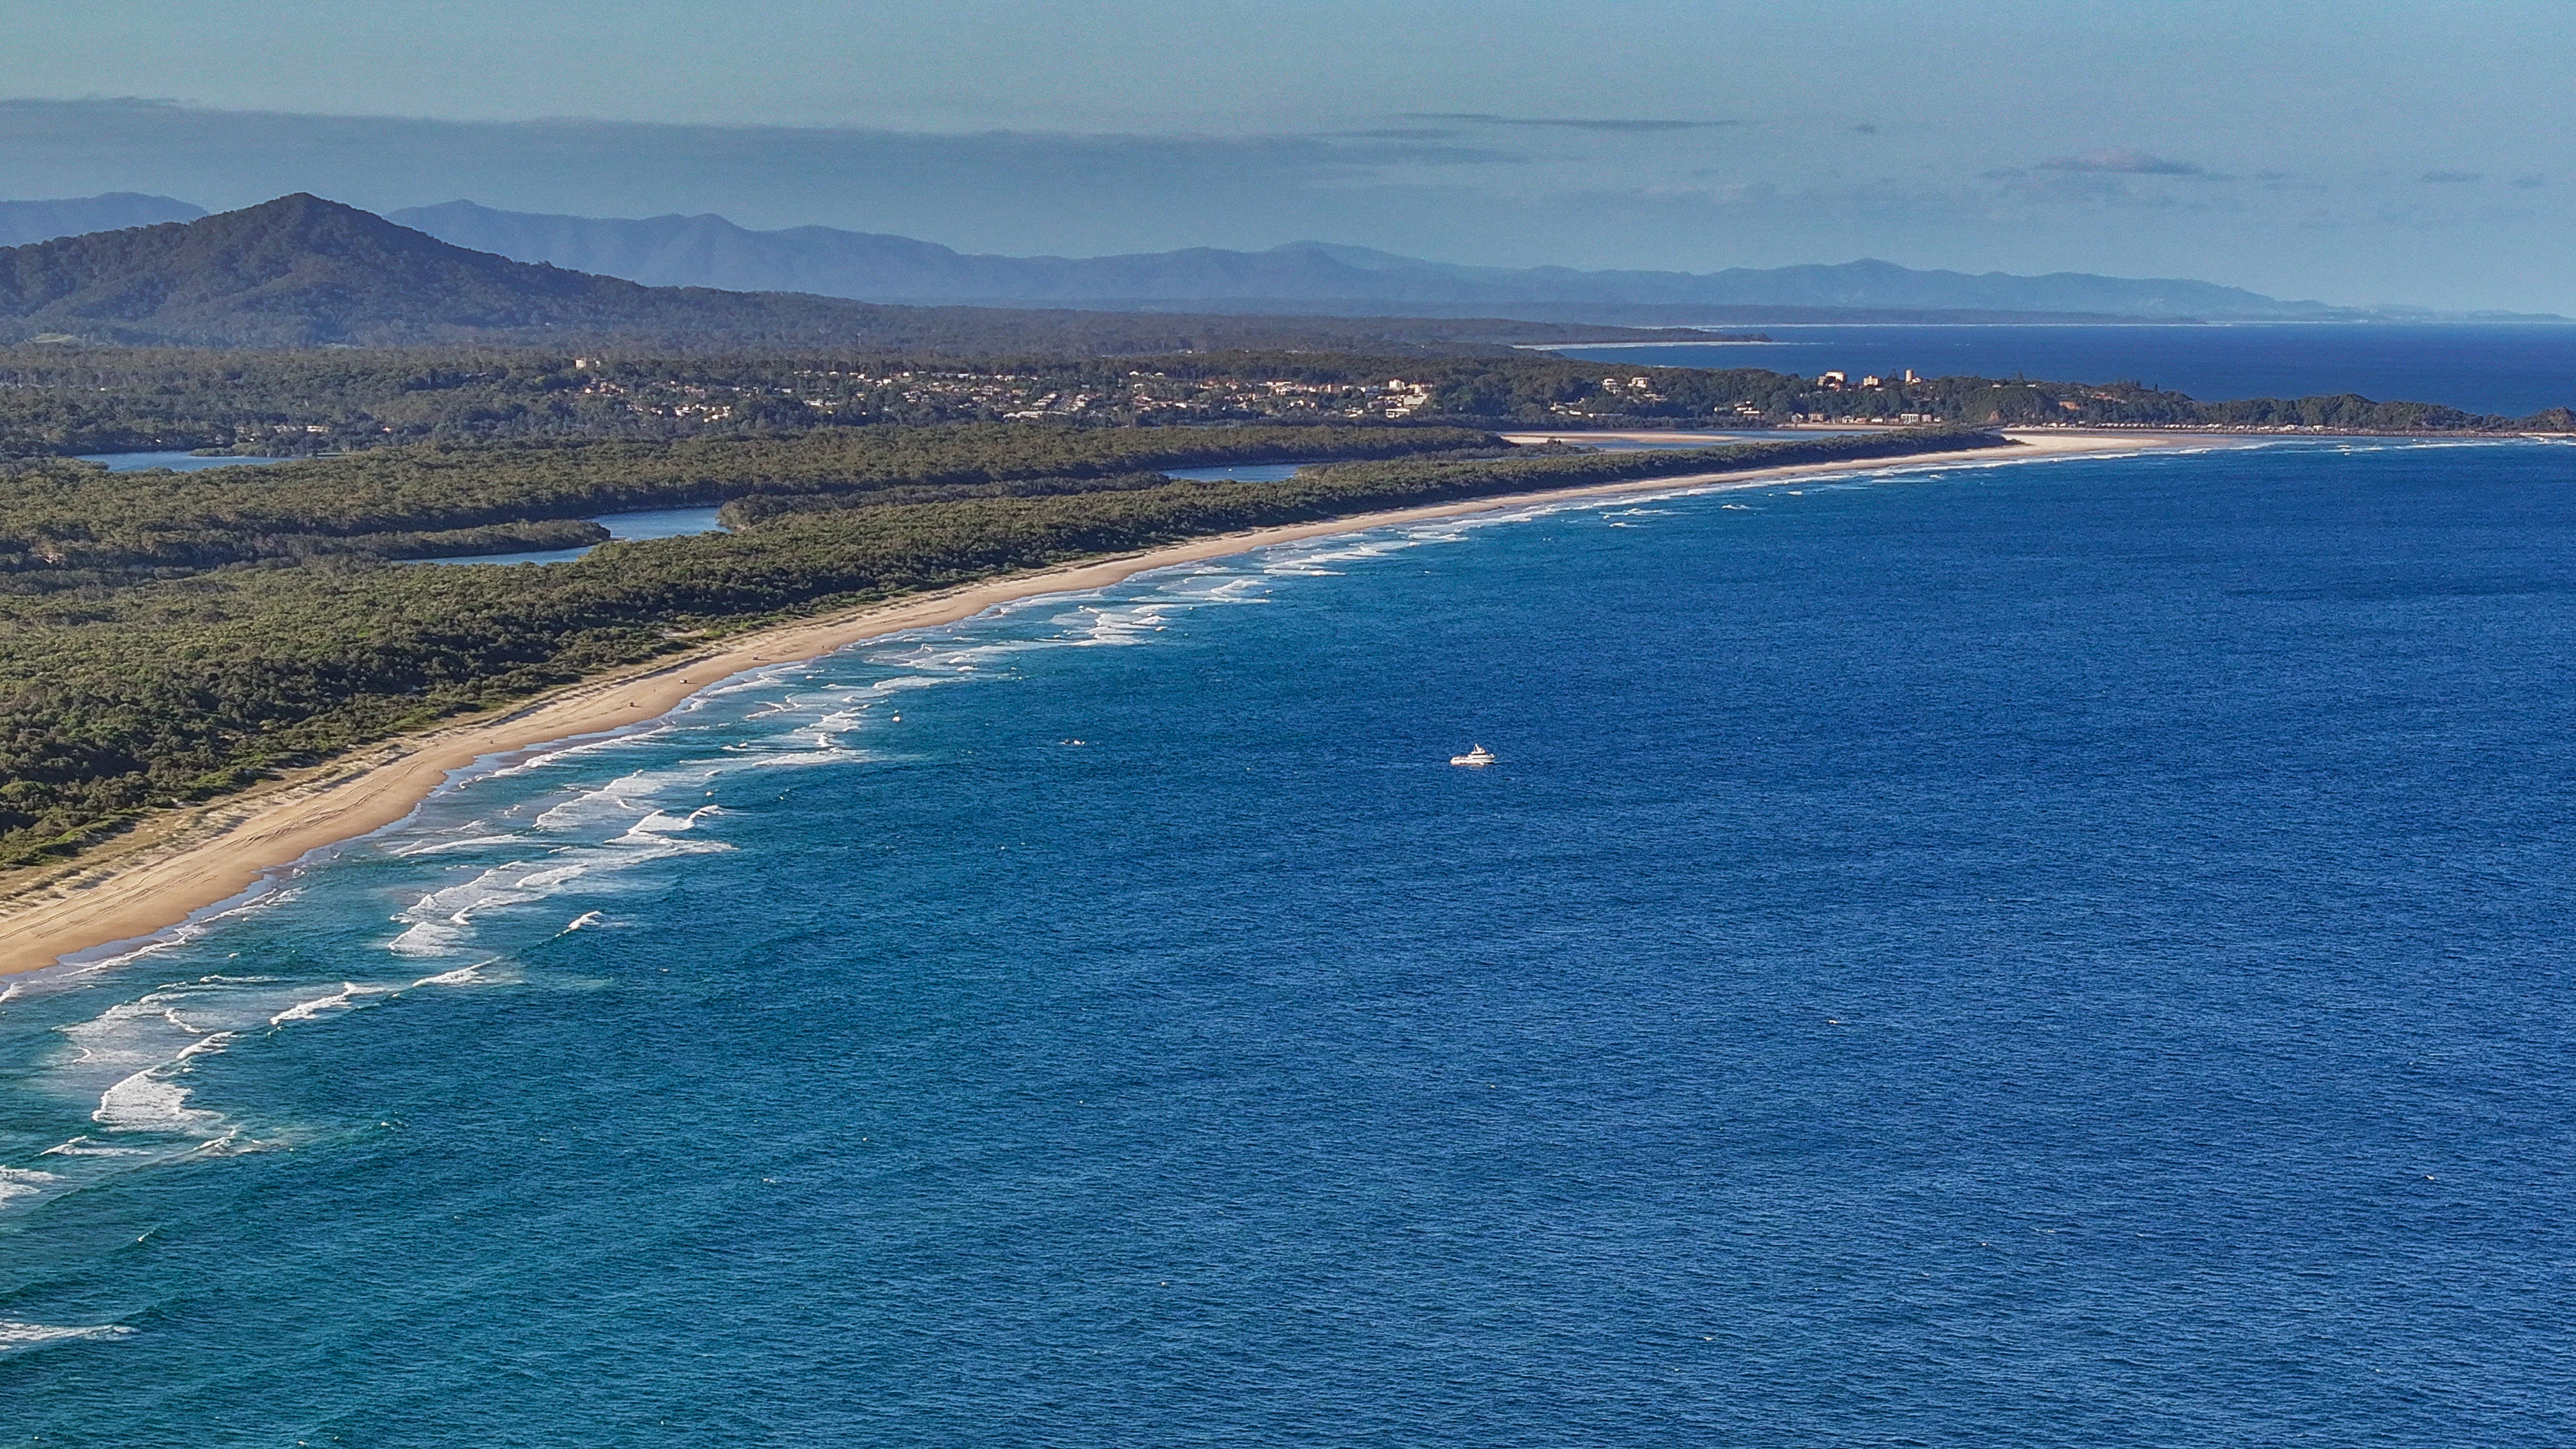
(2067, 953)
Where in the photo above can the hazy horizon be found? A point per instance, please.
(2300, 151)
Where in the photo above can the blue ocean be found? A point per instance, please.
(2510, 368)
(2059, 953)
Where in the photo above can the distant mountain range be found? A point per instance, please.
(22, 222)
(709, 251)
(302, 271)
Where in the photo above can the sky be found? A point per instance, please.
(2358, 153)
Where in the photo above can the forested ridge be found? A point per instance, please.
(118, 696)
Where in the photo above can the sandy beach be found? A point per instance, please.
(155, 877)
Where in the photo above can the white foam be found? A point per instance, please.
(20, 1183)
(180, 936)
(1119, 626)
(147, 1102)
(86, 1146)
(340, 1000)
(1240, 589)
(767, 755)
(440, 847)
(965, 663)
(662, 824)
(133, 1034)
(132, 1059)
(131, 1065)
(537, 884)
(555, 755)
(425, 938)
(439, 919)
(592, 811)
(443, 921)
(17, 1337)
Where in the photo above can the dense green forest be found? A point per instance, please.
(120, 695)
(64, 524)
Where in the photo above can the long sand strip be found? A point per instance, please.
(153, 878)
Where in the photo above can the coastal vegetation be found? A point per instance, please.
(70, 523)
(169, 636)
(124, 691)
(59, 400)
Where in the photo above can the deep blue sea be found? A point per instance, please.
(2067, 953)
(2515, 369)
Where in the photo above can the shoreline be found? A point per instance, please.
(169, 871)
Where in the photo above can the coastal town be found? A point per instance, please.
(1160, 396)
(648, 396)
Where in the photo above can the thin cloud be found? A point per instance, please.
(2447, 178)
(1000, 191)
(2121, 161)
(2532, 180)
(1570, 123)
(2286, 181)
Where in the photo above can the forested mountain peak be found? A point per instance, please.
(296, 270)
(301, 271)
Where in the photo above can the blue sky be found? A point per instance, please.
(2359, 153)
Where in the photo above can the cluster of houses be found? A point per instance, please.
(1837, 381)
(1153, 394)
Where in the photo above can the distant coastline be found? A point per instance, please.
(2506, 369)
(155, 879)
(2519, 319)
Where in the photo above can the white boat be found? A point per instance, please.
(1477, 757)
